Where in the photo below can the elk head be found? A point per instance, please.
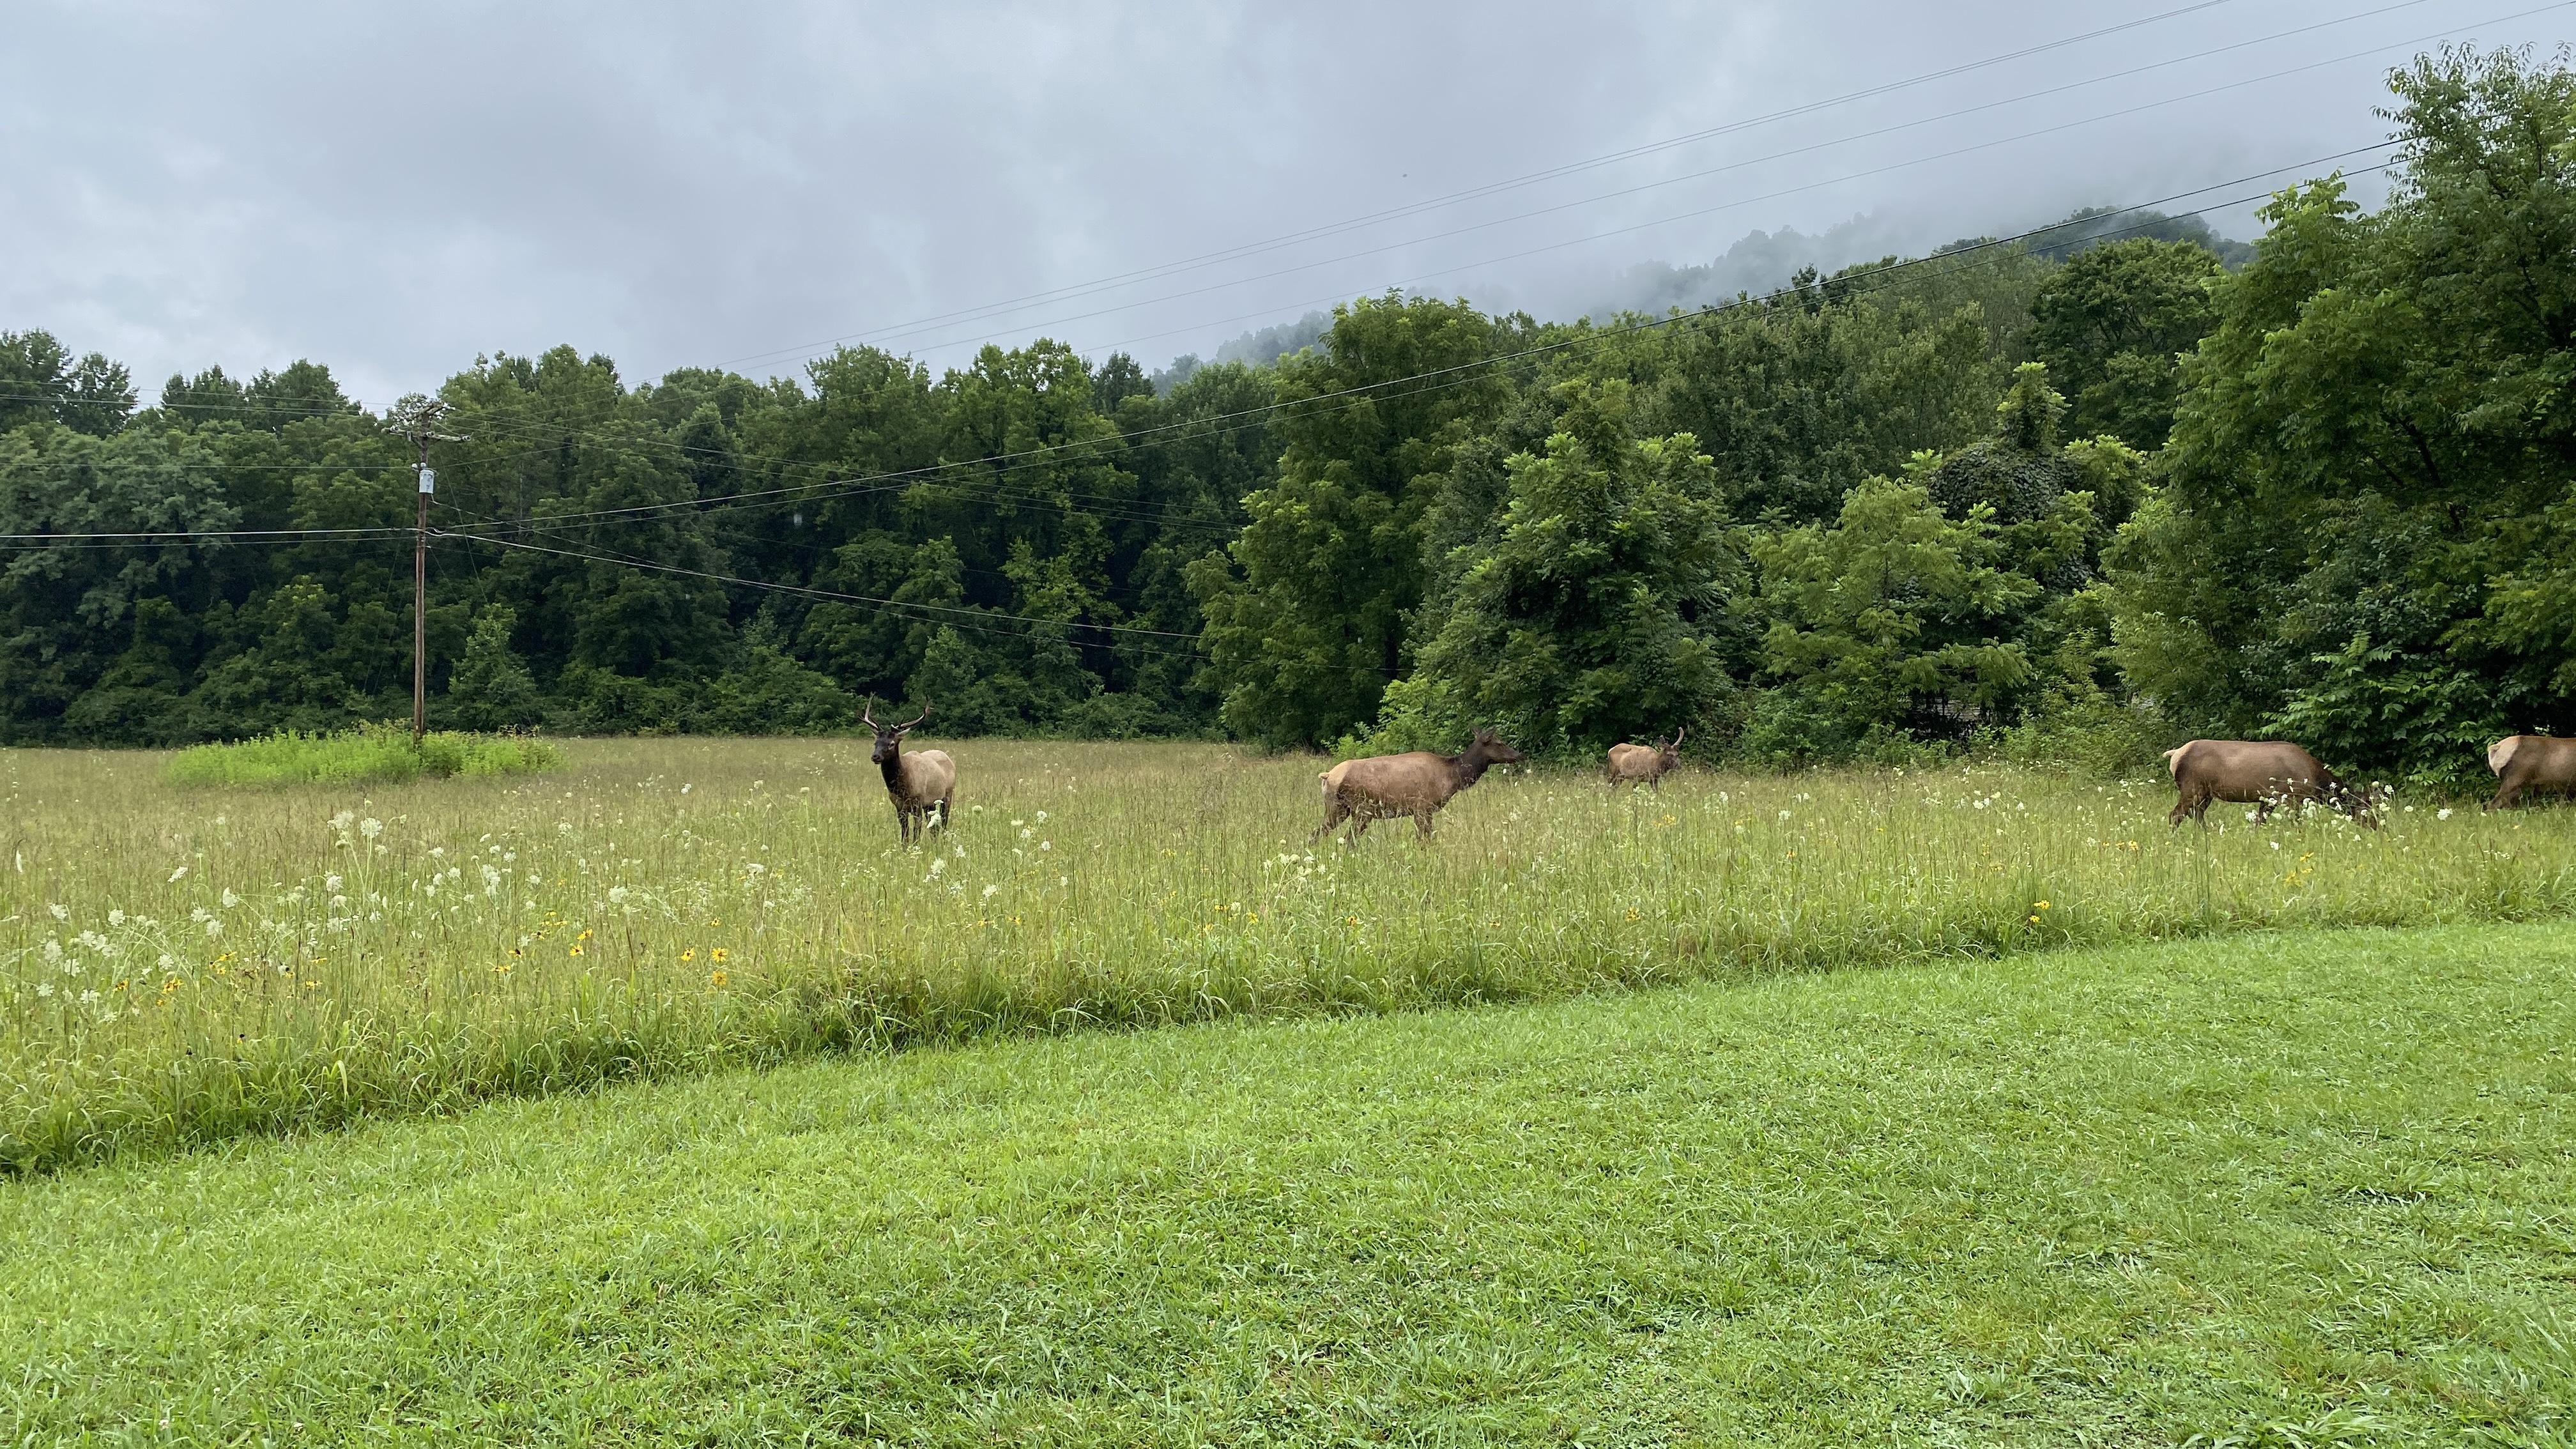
(1487, 748)
(889, 737)
(1672, 753)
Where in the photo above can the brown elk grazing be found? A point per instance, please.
(923, 783)
(1415, 784)
(2263, 773)
(2530, 762)
(1631, 763)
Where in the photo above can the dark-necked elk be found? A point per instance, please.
(2263, 773)
(2531, 762)
(923, 783)
(1629, 764)
(1415, 784)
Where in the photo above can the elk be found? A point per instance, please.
(2530, 762)
(923, 783)
(1631, 763)
(1415, 784)
(2263, 773)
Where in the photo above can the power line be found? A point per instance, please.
(1513, 183)
(970, 619)
(1792, 152)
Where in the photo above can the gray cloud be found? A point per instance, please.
(393, 193)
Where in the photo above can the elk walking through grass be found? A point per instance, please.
(178, 966)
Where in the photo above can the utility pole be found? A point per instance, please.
(416, 418)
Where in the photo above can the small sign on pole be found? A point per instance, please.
(429, 480)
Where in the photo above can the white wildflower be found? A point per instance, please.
(938, 863)
(2442, 814)
(93, 941)
(1784, 814)
(437, 851)
(89, 997)
(616, 894)
(341, 820)
(1046, 845)
(331, 883)
(44, 988)
(756, 868)
(198, 914)
(168, 961)
(1017, 822)
(116, 918)
(1064, 880)
(1026, 832)
(51, 950)
(214, 929)
(991, 891)
(230, 900)
(1042, 817)
(61, 913)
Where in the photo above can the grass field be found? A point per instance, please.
(184, 966)
(2290, 1189)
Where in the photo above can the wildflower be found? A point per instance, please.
(214, 929)
(44, 988)
(230, 900)
(1042, 815)
(437, 852)
(717, 978)
(1046, 845)
(690, 954)
(1784, 814)
(331, 883)
(717, 954)
(371, 827)
(167, 961)
(991, 891)
(61, 913)
(938, 864)
(341, 820)
(2043, 905)
(575, 951)
(116, 918)
(2442, 814)
(584, 936)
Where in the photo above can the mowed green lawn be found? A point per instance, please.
(2289, 1188)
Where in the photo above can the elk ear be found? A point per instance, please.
(1485, 736)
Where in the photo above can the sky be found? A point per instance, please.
(394, 191)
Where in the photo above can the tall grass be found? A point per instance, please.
(179, 968)
(381, 752)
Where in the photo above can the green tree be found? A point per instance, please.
(1586, 616)
(2111, 325)
(490, 687)
(1307, 608)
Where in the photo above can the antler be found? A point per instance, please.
(1677, 736)
(867, 714)
(925, 714)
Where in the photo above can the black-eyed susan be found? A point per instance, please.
(717, 954)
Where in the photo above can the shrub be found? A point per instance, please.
(371, 752)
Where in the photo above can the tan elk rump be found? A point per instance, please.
(923, 783)
(1415, 784)
(2263, 773)
(2531, 762)
(1632, 764)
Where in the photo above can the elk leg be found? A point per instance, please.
(1422, 822)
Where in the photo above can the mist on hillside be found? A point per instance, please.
(1758, 263)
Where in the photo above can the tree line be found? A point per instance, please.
(2087, 493)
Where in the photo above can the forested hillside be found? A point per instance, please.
(2063, 497)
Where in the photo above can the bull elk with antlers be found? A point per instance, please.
(923, 783)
